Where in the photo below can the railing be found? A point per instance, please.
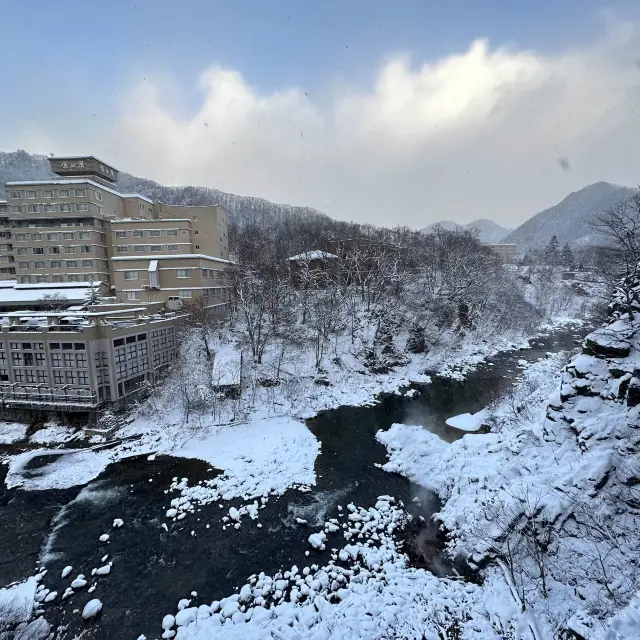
(42, 395)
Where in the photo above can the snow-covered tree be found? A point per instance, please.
(552, 252)
(568, 259)
(92, 296)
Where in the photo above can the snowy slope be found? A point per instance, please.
(569, 219)
(551, 494)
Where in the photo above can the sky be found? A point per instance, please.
(406, 112)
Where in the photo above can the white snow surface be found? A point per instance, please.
(11, 432)
(17, 602)
(467, 421)
(91, 609)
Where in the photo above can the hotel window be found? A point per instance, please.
(63, 193)
(156, 248)
(33, 208)
(132, 295)
(36, 236)
(138, 233)
(82, 206)
(53, 236)
(56, 264)
(72, 264)
(18, 374)
(155, 233)
(121, 234)
(37, 251)
(4, 375)
(81, 360)
(65, 208)
(15, 195)
(16, 359)
(22, 251)
(71, 377)
(83, 378)
(16, 209)
(100, 208)
(98, 195)
(31, 194)
(173, 247)
(139, 247)
(87, 263)
(205, 273)
(57, 377)
(85, 248)
(47, 193)
(42, 376)
(185, 293)
(49, 208)
(23, 265)
(172, 232)
(69, 249)
(183, 273)
(41, 278)
(72, 277)
(53, 251)
(130, 275)
(123, 248)
(68, 235)
(40, 265)
(20, 237)
(56, 278)
(84, 235)
(80, 193)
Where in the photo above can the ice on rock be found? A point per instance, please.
(117, 523)
(234, 514)
(301, 521)
(183, 604)
(66, 571)
(168, 621)
(104, 570)
(91, 609)
(51, 596)
(317, 540)
(79, 582)
(172, 513)
(169, 633)
(245, 593)
(104, 537)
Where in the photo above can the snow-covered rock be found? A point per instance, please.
(91, 609)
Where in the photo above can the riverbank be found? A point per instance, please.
(159, 558)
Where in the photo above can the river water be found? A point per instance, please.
(154, 568)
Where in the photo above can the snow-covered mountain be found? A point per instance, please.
(488, 230)
(569, 219)
(20, 165)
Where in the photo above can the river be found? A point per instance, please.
(154, 568)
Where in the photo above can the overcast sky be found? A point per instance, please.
(405, 112)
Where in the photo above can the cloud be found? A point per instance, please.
(486, 132)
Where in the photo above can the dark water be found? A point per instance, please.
(154, 568)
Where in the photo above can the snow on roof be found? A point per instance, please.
(84, 157)
(45, 286)
(34, 183)
(4, 284)
(180, 256)
(33, 294)
(314, 255)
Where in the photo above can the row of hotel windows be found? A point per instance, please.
(55, 251)
(64, 359)
(52, 208)
(57, 222)
(66, 235)
(152, 233)
(70, 277)
(39, 376)
(39, 346)
(180, 273)
(147, 248)
(55, 264)
(32, 194)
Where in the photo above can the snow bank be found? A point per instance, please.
(16, 603)
(68, 468)
(11, 432)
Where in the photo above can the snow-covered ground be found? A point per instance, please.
(549, 493)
